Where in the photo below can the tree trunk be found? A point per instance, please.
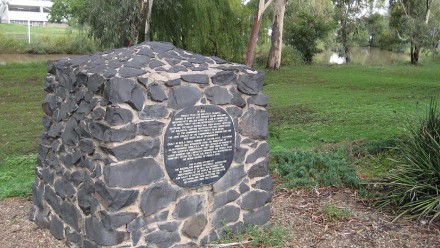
(414, 50)
(274, 59)
(347, 53)
(262, 6)
(148, 20)
(253, 41)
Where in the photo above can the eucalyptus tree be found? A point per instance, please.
(261, 8)
(347, 14)
(411, 20)
(274, 59)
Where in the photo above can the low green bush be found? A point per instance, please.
(304, 168)
(412, 189)
(289, 56)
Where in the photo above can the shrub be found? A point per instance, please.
(301, 168)
(289, 56)
(413, 187)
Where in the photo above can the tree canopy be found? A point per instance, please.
(214, 27)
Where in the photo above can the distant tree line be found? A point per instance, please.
(234, 30)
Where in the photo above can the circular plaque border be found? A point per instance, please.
(172, 165)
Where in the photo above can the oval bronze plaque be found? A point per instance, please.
(199, 145)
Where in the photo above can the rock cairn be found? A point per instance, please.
(101, 179)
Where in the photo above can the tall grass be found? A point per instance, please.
(414, 186)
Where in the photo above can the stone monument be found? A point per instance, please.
(151, 146)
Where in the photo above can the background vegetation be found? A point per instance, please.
(45, 40)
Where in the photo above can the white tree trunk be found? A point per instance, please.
(274, 59)
(148, 19)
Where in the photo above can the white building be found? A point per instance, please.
(22, 11)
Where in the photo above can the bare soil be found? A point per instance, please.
(300, 211)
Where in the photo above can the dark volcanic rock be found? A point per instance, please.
(196, 78)
(184, 96)
(133, 173)
(158, 197)
(135, 149)
(218, 95)
(250, 84)
(96, 231)
(254, 124)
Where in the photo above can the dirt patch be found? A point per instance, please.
(301, 211)
(291, 115)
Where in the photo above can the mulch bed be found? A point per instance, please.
(298, 210)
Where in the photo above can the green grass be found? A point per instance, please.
(44, 40)
(315, 106)
(17, 175)
(334, 213)
(20, 32)
(270, 236)
(21, 95)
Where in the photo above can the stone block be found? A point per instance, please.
(188, 206)
(258, 217)
(225, 215)
(194, 226)
(158, 197)
(132, 173)
(183, 96)
(254, 124)
(135, 149)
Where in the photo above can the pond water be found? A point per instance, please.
(363, 56)
(359, 55)
(23, 58)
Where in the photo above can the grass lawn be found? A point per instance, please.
(44, 40)
(311, 107)
(20, 32)
(21, 94)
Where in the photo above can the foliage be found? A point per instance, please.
(415, 22)
(214, 27)
(113, 23)
(413, 188)
(208, 27)
(17, 175)
(301, 168)
(347, 15)
(272, 236)
(290, 56)
(333, 213)
(304, 33)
